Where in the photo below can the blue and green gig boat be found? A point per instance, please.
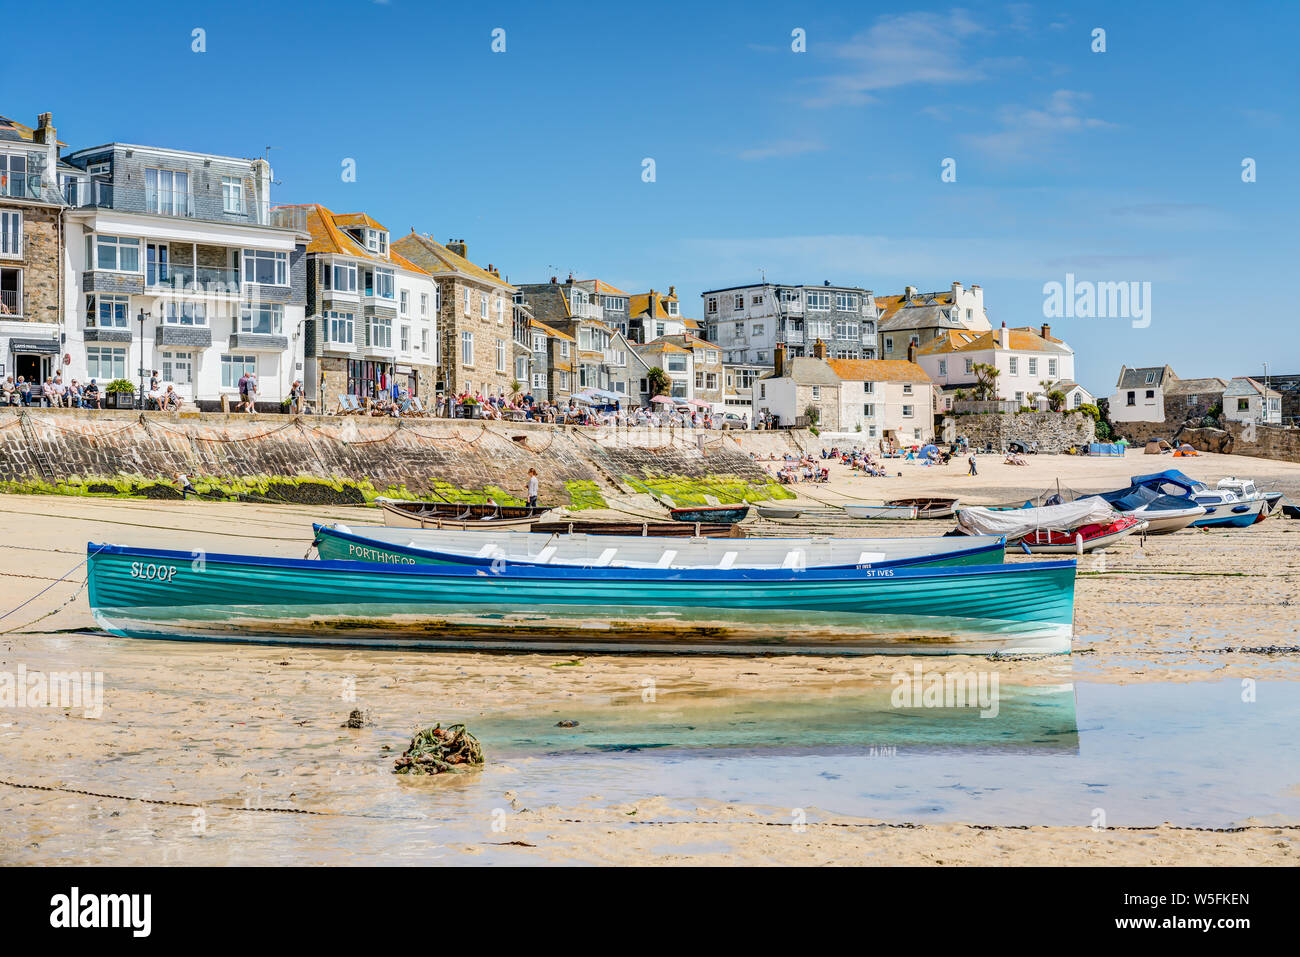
(156, 593)
(398, 546)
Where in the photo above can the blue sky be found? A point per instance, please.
(1115, 166)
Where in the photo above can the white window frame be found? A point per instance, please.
(232, 194)
(94, 304)
(348, 271)
(467, 348)
(233, 367)
(251, 258)
(248, 319)
(340, 328)
(11, 233)
(116, 356)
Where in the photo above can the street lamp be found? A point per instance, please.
(141, 318)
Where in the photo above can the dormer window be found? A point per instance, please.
(377, 241)
(672, 308)
(1151, 377)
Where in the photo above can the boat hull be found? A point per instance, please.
(725, 515)
(1230, 514)
(647, 529)
(397, 516)
(881, 511)
(930, 507)
(342, 543)
(1167, 521)
(1047, 542)
(776, 511)
(149, 593)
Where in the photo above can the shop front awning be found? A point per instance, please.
(40, 347)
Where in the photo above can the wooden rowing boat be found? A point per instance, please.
(425, 546)
(929, 506)
(194, 595)
(881, 511)
(726, 514)
(455, 515)
(778, 511)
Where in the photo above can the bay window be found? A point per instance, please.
(341, 277)
(384, 283)
(113, 253)
(379, 332)
(267, 268)
(107, 312)
(261, 318)
(185, 313)
(339, 328)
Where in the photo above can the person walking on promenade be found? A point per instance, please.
(973, 470)
(532, 488)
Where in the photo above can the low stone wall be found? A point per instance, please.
(1053, 431)
(327, 459)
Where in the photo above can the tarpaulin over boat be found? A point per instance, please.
(1017, 522)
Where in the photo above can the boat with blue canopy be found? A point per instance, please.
(1024, 608)
(1234, 503)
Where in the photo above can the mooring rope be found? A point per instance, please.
(197, 804)
(61, 578)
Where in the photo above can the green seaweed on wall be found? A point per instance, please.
(696, 491)
(584, 494)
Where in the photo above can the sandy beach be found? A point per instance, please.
(245, 745)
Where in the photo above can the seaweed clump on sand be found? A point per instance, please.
(438, 750)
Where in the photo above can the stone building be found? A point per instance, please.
(31, 251)
(915, 318)
(373, 313)
(591, 313)
(480, 334)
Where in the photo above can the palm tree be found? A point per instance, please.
(660, 384)
(986, 380)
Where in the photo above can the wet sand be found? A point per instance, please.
(225, 726)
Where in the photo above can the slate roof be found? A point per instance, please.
(450, 262)
(1245, 385)
(1018, 340)
(877, 370)
(1137, 378)
(805, 370)
(328, 236)
(1195, 386)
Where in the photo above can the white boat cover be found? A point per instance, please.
(1015, 523)
(638, 551)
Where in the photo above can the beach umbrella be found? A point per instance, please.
(930, 448)
(700, 402)
(664, 400)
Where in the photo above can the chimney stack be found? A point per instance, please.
(672, 290)
(819, 349)
(459, 248)
(909, 292)
(911, 352)
(1004, 337)
(1047, 331)
(778, 360)
(46, 135)
(956, 290)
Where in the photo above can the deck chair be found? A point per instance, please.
(417, 406)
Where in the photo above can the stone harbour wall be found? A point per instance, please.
(326, 459)
(1053, 431)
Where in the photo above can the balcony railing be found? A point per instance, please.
(793, 337)
(11, 302)
(289, 217)
(185, 277)
(157, 201)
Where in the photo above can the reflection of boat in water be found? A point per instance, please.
(1029, 719)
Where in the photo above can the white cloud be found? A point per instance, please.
(782, 148)
(1028, 130)
(900, 50)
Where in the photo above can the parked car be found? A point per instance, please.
(734, 420)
